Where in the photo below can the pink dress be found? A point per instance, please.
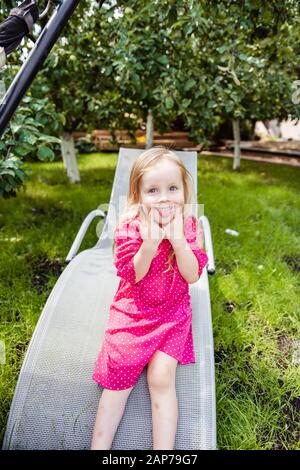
(152, 314)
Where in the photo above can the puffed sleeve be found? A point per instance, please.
(127, 244)
(191, 229)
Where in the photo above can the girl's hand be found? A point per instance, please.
(150, 230)
(174, 230)
(200, 237)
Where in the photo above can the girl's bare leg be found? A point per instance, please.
(161, 376)
(165, 418)
(110, 411)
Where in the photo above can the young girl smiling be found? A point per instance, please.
(158, 252)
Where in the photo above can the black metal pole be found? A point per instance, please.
(35, 60)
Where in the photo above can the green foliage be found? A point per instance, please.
(204, 62)
(5, 7)
(12, 176)
(25, 140)
(198, 62)
(29, 130)
(29, 136)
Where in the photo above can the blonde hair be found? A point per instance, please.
(142, 164)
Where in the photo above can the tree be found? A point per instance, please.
(32, 132)
(135, 61)
(254, 59)
(153, 66)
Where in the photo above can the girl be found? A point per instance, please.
(150, 320)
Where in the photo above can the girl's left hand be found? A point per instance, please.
(174, 230)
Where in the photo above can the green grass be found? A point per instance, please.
(254, 291)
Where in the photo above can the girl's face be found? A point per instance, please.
(162, 189)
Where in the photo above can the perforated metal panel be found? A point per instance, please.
(56, 400)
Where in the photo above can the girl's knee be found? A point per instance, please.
(161, 372)
(161, 378)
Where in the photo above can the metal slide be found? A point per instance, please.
(56, 400)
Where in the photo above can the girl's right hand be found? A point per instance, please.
(150, 230)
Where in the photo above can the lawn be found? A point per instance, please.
(254, 292)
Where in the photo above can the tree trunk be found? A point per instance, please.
(237, 142)
(69, 157)
(149, 130)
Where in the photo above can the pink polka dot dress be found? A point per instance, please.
(152, 314)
